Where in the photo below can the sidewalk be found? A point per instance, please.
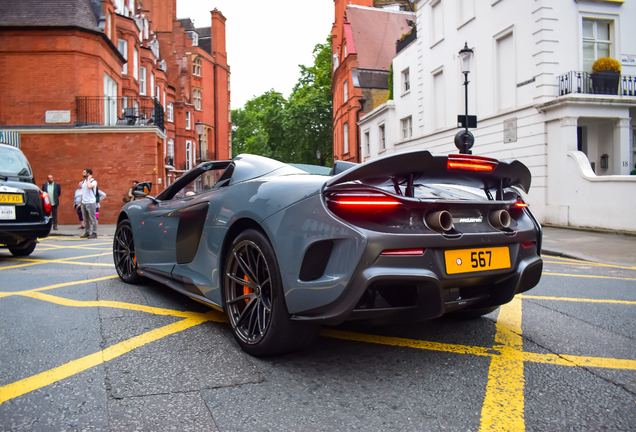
(585, 245)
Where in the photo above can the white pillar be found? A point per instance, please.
(620, 150)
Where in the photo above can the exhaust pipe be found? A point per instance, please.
(441, 220)
(499, 219)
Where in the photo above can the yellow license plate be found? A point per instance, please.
(11, 198)
(474, 260)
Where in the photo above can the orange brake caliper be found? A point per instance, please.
(247, 290)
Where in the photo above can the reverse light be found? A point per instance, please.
(46, 201)
(471, 163)
(403, 252)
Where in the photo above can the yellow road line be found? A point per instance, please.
(60, 285)
(580, 361)
(35, 261)
(409, 343)
(504, 402)
(570, 260)
(71, 368)
(212, 315)
(572, 299)
(588, 276)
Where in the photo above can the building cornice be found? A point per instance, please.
(585, 99)
(34, 130)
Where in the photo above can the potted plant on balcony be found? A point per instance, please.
(606, 74)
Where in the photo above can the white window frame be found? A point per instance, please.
(142, 81)
(122, 47)
(436, 23)
(152, 84)
(345, 135)
(367, 142)
(345, 87)
(594, 39)
(188, 155)
(170, 112)
(110, 100)
(164, 100)
(406, 81)
(196, 66)
(195, 38)
(465, 12)
(188, 119)
(381, 137)
(171, 148)
(197, 95)
(345, 50)
(136, 64)
(407, 127)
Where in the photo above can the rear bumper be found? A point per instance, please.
(17, 232)
(431, 296)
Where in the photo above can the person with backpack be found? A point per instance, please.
(90, 199)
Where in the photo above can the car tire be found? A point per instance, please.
(124, 254)
(474, 313)
(254, 301)
(24, 249)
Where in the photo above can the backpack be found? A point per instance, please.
(96, 195)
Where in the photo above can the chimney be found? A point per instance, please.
(217, 32)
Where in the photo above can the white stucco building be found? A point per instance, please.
(531, 92)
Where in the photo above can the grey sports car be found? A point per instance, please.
(283, 250)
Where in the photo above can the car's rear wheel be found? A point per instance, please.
(25, 248)
(254, 300)
(124, 253)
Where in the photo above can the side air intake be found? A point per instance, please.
(315, 261)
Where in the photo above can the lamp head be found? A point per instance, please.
(466, 55)
(199, 127)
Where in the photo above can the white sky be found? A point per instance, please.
(266, 40)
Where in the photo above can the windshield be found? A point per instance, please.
(13, 163)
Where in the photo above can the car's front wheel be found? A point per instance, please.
(254, 300)
(124, 253)
(25, 248)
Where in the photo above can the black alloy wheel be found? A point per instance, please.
(124, 253)
(254, 301)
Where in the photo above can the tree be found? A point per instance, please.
(293, 130)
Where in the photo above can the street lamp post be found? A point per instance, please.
(464, 140)
(199, 128)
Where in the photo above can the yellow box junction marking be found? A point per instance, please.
(35, 261)
(587, 276)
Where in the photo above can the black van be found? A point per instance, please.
(25, 211)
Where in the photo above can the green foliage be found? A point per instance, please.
(290, 130)
(390, 82)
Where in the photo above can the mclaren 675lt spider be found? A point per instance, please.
(283, 249)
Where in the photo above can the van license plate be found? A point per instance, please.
(7, 212)
(474, 260)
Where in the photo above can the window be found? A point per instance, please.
(196, 66)
(382, 138)
(195, 38)
(109, 26)
(197, 99)
(406, 81)
(158, 93)
(122, 47)
(188, 155)
(188, 120)
(407, 128)
(170, 112)
(439, 107)
(152, 85)
(437, 22)
(367, 143)
(142, 80)
(136, 64)
(110, 101)
(597, 41)
(345, 132)
(164, 99)
(506, 79)
(345, 87)
(345, 50)
(170, 147)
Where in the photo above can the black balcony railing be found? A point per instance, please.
(170, 160)
(119, 111)
(583, 82)
(403, 43)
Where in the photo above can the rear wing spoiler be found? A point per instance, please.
(421, 166)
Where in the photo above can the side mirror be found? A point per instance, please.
(142, 190)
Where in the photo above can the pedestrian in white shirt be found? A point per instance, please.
(77, 205)
(89, 204)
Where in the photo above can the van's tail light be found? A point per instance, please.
(471, 163)
(46, 201)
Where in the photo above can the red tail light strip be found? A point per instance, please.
(364, 201)
(46, 200)
(520, 204)
(403, 252)
(528, 244)
(471, 163)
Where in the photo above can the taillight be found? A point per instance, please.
(529, 244)
(519, 204)
(403, 252)
(46, 201)
(363, 201)
(471, 163)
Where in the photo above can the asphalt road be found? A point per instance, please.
(82, 351)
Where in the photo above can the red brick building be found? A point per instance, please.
(363, 38)
(116, 86)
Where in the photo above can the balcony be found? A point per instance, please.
(581, 82)
(169, 161)
(119, 111)
(407, 39)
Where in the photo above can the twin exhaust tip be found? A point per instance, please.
(443, 220)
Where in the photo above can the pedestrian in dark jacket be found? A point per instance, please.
(54, 190)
